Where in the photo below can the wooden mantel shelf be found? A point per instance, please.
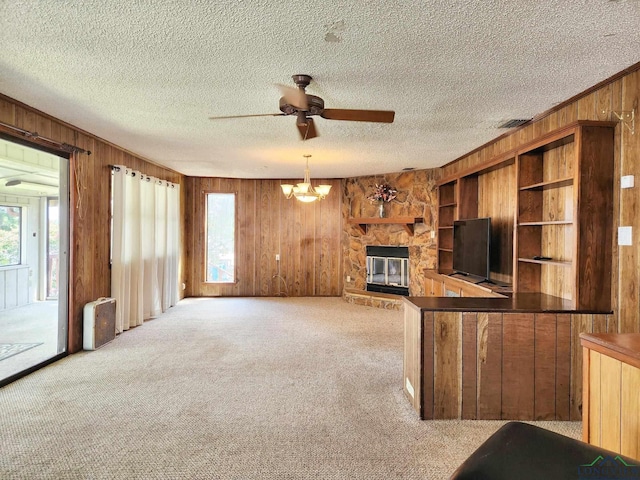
(406, 222)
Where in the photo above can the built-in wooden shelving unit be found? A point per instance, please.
(406, 222)
(558, 192)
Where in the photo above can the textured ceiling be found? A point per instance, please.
(146, 75)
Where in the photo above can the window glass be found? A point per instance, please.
(10, 234)
(221, 237)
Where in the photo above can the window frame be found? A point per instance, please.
(206, 243)
(21, 234)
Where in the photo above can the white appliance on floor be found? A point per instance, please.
(99, 323)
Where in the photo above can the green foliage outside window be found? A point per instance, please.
(10, 222)
(221, 241)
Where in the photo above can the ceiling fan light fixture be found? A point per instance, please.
(295, 101)
(38, 187)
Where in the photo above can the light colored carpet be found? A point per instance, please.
(275, 388)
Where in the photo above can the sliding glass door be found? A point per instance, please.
(34, 239)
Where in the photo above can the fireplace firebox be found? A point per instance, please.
(388, 269)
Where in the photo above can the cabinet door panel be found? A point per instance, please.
(630, 401)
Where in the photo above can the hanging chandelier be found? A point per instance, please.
(304, 191)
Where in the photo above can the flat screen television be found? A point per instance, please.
(472, 248)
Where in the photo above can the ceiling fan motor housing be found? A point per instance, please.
(316, 106)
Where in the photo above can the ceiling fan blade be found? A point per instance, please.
(380, 116)
(307, 131)
(294, 96)
(247, 116)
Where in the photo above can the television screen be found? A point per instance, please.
(471, 247)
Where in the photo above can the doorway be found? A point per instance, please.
(34, 240)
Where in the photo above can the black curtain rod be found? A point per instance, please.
(65, 147)
(116, 168)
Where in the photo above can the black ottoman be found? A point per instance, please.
(520, 451)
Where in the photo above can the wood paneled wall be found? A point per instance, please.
(306, 236)
(499, 204)
(90, 183)
(621, 93)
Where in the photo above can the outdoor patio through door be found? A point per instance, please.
(34, 239)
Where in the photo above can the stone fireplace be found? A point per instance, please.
(417, 197)
(387, 269)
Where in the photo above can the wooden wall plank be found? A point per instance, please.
(287, 241)
(335, 235)
(518, 366)
(489, 366)
(630, 405)
(298, 249)
(7, 111)
(568, 114)
(586, 393)
(563, 369)
(595, 403)
(187, 194)
(323, 252)
(587, 107)
(616, 105)
(611, 383)
(268, 244)
(309, 260)
(101, 213)
(579, 324)
(545, 366)
(412, 359)
(246, 236)
(427, 366)
(469, 366)
(447, 334)
(629, 257)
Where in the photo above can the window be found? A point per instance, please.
(10, 235)
(221, 237)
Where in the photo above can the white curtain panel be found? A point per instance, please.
(144, 272)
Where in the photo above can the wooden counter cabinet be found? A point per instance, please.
(508, 358)
(611, 393)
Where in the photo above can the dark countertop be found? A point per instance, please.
(518, 303)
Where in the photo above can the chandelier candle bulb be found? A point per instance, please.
(323, 189)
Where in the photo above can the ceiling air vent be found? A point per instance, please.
(516, 122)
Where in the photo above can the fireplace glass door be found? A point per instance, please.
(388, 271)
